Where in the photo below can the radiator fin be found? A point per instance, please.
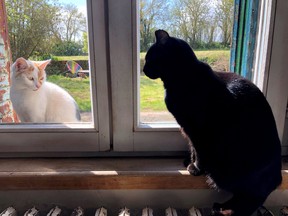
(79, 211)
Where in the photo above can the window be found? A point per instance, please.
(128, 132)
(57, 32)
(74, 138)
(156, 136)
(205, 25)
(119, 124)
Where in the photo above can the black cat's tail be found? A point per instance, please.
(250, 192)
(241, 205)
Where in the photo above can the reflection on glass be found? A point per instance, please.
(50, 76)
(207, 27)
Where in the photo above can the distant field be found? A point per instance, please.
(217, 59)
(70, 58)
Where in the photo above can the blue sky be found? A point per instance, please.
(81, 4)
(77, 2)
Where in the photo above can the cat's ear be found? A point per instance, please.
(21, 64)
(161, 36)
(43, 64)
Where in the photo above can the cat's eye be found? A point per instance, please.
(31, 78)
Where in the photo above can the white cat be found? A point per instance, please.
(36, 100)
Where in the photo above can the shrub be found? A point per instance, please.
(59, 66)
(68, 48)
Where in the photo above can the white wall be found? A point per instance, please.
(277, 86)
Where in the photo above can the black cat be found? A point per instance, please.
(228, 120)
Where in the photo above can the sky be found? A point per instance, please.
(81, 4)
(77, 2)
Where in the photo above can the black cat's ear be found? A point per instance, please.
(161, 36)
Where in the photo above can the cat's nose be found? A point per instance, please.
(38, 85)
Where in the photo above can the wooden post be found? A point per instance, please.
(7, 114)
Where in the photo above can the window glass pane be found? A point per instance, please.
(51, 36)
(206, 25)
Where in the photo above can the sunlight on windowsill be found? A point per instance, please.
(45, 126)
(102, 173)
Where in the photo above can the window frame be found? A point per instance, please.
(134, 136)
(71, 139)
(128, 134)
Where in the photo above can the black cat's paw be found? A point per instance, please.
(219, 210)
(187, 160)
(193, 170)
(216, 209)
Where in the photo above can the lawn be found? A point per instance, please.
(212, 55)
(70, 58)
(151, 95)
(151, 91)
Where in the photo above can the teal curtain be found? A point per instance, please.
(244, 37)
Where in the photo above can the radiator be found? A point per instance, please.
(56, 211)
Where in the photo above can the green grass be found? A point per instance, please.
(212, 56)
(151, 95)
(151, 91)
(217, 59)
(79, 89)
(70, 58)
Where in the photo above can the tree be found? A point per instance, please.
(29, 24)
(70, 32)
(211, 28)
(85, 43)
(38, 26)
(71, 25)
(153, 14)
(191, 18)
(224, 13)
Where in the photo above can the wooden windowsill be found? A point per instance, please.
(101, 173)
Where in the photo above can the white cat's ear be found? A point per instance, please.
(161, 36)
(21, 64)
(43, 64)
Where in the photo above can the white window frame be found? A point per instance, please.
(128, 134)
(71, 139)
(114, 63)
